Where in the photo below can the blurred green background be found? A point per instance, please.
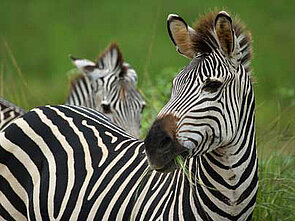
(36, 38)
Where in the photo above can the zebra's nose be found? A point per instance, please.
(161, 149)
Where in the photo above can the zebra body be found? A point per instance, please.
(8, 112)
(73, 170)
(67, 162)
(91, 170)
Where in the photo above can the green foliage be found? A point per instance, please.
(276, 193)
(37, 36)
(156, 94)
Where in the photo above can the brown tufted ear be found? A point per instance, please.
(181, 35)
(225, 33)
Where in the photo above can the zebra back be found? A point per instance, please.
(68, 162)
(71, 163)
(8, 112)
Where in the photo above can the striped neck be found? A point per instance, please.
(227, 178)
(81, 93)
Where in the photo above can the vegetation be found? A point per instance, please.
(37, 36)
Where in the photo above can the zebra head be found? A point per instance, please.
(209, 95)
(113, 86)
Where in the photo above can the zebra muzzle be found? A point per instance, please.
(162, 149)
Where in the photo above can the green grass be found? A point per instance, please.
(37, 37)
(276, 193)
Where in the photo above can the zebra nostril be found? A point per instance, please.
(106, 108)
(165, 141)
(165, 144)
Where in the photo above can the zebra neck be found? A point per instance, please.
(228, 176)
(81, 93)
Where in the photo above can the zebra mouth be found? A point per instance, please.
(171, 165)
(167, 168)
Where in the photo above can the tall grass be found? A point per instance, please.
(276, 193)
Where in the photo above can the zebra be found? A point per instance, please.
(71, 163)
(109, 86)
(8, 112)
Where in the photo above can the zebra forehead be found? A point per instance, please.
(124, 89)
(203, 66)
(204, 39)
(127, 89)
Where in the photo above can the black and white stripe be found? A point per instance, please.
(210, 118)
(109, 86)
(69, 162)
(8, 112)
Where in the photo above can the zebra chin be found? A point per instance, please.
(167, 166)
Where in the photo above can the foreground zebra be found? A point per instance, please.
(67, 162)
(109, 86)
(8, 112)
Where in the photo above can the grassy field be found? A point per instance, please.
(36, 38)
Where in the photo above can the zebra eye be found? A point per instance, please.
(212, 85)
(106, 108)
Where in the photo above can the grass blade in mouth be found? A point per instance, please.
(180, 162)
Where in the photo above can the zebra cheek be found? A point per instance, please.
(187, 144)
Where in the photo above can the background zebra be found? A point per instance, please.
(8, 112)
(109, 86)
(68, 162)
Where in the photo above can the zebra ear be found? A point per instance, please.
(111, 58)
(181, 35)
(84, 65)
(88, 68)
(225, 33)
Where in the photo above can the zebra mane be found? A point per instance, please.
(8, 104)
(204, 40)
